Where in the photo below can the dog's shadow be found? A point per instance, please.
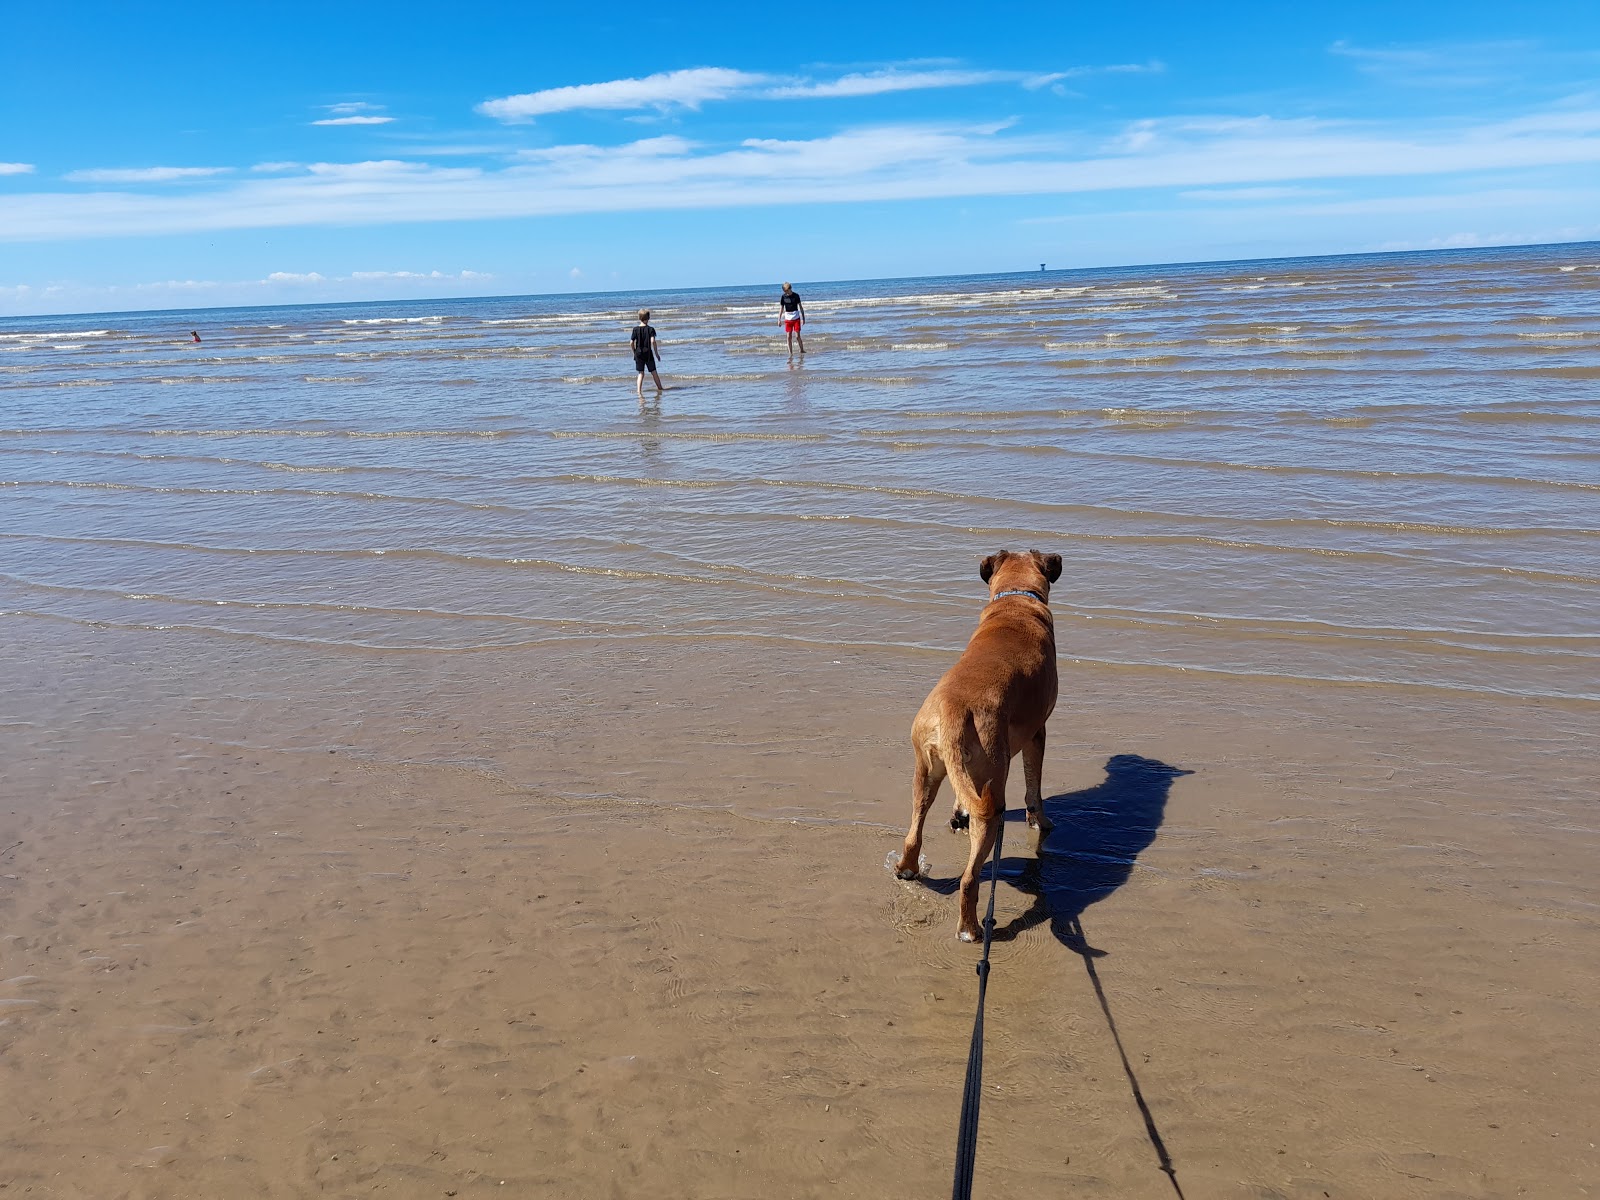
(1097, 836)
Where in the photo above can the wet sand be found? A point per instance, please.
(543, 922)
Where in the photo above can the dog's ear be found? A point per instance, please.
(987, 566)
(1050, 564)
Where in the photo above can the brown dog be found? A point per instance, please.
(991, 704)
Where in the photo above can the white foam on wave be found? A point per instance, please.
(570, 318)
(55, 335)
(391, 320)
(1156, 290)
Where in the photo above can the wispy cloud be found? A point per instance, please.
(876, 83)
(315, 277)
(687, 89)
(877, 163)
(1252, 194)
(1504, 237)
(1440, 65)
(277, 286)
(699, 85)
(655, 147)
(450, 276)
(143, 174)
(10, 168)
(1153, 67)
(353, 112)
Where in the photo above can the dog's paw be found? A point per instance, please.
(891, 863)
(1037, 820)
(968, 935)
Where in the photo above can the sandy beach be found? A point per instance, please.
(425, 772)
(1351, 957)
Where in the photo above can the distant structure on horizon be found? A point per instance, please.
(1041, 266)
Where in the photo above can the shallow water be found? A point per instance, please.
(1380, 468)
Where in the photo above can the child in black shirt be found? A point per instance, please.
(645, 351)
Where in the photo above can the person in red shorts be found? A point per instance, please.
(793, 315)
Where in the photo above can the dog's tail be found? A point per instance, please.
(958, 763)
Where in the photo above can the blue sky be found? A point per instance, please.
(158, 156)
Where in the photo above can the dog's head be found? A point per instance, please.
(1027, 571)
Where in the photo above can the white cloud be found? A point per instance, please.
(9, 168)
(656, 147)
(876, 164)
(874, 83)
(1505, 237)
(346, 107)
(431, 149)
(353, 121)
(1153, 67)
(1476, 202)
(277, 166)
(278, 287)
(696, 86)
(457, 276)
(1449, 64)
(687, 89)
(370, 170)
(1252, 193)
(143, 174)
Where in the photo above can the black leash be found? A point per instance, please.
(972, 1094)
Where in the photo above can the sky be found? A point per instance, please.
(169, 156)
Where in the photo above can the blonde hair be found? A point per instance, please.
(644, 314)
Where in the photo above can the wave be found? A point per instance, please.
(429, 320)
(720, 633)
(1105, 511)
(323, 493)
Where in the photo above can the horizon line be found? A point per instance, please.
(1201, 262)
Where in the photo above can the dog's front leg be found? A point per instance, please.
(1033, 772)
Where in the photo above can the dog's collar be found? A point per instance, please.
(1019, 592)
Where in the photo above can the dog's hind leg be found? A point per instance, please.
(925, 781)
(1033, 772)
(985, 828)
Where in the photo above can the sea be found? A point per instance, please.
(1369, 469)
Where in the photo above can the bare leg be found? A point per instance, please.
(641, 385)
(925, 781)
(801, 339)
(1033, 772)
(654, 376)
